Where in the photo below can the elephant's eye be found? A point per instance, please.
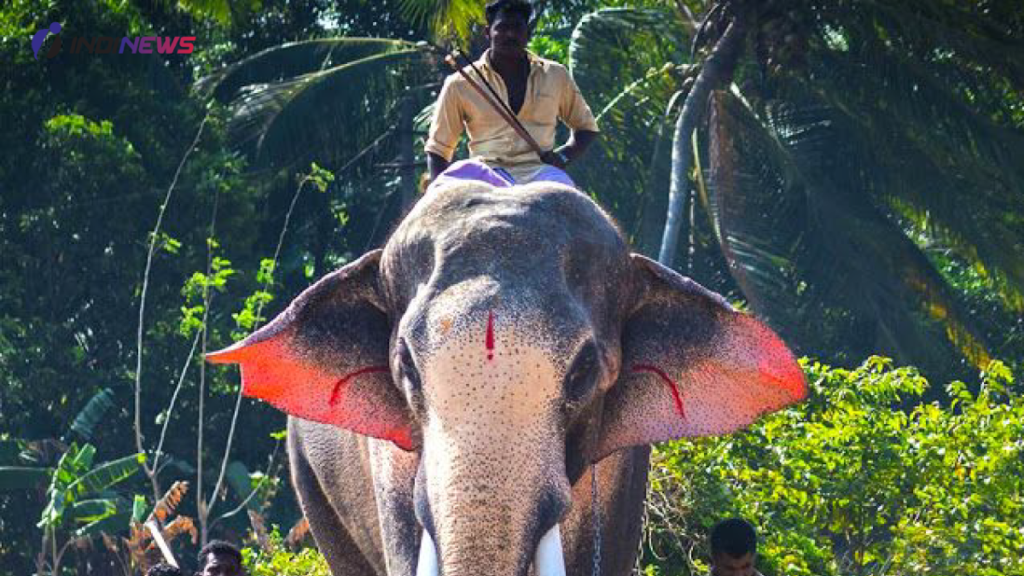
(410, 376)
(582, 376)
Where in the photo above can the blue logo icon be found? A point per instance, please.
(40, 36)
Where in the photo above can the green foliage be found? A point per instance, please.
(251, 313)
(75, 481)
(453, 20)
(281, 562)
(91, 144)
(87, 420)
(875, 131)
(197, 290)
(319, 99)
(862, 478)
(256, 489)
(320, 177)
(625, 62)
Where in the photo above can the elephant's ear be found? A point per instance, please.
(325, 358)
(692, 366)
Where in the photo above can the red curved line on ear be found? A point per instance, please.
(348, 377)
(671, 385)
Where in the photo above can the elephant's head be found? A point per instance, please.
(510, 338)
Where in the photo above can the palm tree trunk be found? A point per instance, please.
(716, 71)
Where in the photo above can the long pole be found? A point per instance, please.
(490, 88)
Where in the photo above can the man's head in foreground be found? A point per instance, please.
(219, 558)
(163, 569)
(733, 548)
(508, 26)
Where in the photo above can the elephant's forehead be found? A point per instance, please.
(459, 318)
(499, 374)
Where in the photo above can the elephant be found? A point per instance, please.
(480, 395)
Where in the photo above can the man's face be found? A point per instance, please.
(221, 565)
(508, 35)
(725, 565)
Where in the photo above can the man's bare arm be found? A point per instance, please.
(573, 149)
(578, 144)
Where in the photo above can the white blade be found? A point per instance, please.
(549, 560)
(161, 543)
(427, 563)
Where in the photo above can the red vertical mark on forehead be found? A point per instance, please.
(489, 340)
(671, 385)
(340, 384)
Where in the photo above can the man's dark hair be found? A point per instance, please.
(219, 547)
(735, 537)
(164, 569)
(496, 7)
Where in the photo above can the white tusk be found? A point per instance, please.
(549, 560)
(427, 563)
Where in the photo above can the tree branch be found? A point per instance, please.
(145, 286)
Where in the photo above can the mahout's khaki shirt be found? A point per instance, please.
(551, 95)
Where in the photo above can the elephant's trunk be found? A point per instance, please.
(492, 512)
(548, 561)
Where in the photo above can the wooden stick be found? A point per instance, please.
(488, 85)
(165, 550)
(511, 120)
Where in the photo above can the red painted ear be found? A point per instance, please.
(325, 358)
(692, 366)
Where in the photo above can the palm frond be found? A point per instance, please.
(448, 19)
(324, 114)
(801, 234)
(293, 59)
(614, 47)
(928, 90)
(618, 58)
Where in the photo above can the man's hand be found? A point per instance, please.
(556, 159)
(573, 149)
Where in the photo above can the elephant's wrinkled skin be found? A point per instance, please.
(461, 380)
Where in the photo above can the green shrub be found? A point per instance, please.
(862, 478)
(279, 561)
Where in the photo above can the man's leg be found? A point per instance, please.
(474, 170)
(542, 173)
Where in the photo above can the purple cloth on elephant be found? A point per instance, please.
(500, 177)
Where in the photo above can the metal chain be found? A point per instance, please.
(595, 515)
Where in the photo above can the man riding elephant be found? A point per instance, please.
(450, 393)
(524, 93)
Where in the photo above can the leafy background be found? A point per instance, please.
(857, 184)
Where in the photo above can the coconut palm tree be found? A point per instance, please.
(831, 150)
(842, 139)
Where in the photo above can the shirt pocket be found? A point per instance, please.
(544, 108)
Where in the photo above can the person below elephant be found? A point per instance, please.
(220, 558)
(539, 92)
(733, 548)
(163, 569)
